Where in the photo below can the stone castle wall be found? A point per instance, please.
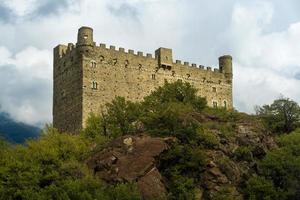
(93, 75)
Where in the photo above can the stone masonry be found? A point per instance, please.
(87, 76)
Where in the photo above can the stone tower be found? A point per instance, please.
(87, 76)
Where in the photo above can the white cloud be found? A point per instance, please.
(25, 85)
(266, 62)
(20, 7)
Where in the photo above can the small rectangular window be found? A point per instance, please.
(215, 104)
(153, 76)
(93, 64)
(214, 89)
(94, 85)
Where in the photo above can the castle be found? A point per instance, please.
(87, 76)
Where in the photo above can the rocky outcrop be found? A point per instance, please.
(230, 162)
(132, 159)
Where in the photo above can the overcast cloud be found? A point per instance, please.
(263, 36)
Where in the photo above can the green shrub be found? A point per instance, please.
(52, 168)
(243, 153)
(226, 192)
(207, 138)
(259, 188)
(124, 192)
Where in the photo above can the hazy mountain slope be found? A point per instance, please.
(16, 132)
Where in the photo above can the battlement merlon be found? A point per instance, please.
(59, 51)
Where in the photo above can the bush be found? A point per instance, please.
(243, 153)
(53, 168)
(207, 138)
(227, 192)
(181, 166)
(259, 188)
(124, 192)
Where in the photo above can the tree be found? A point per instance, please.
(259, 188)
(282, 165)
(121, 117)
(178, 91)
(282, 116)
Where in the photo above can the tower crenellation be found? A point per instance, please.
(87, 76)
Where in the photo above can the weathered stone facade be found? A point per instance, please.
(87, 76)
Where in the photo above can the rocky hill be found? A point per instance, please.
(230, 158)
(169, 146)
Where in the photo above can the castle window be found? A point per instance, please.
(225, 104)
(93, 64)
(101, 58)
(126, 63)
(85, 37)
(115, 61)
(214, 89)
(215, 104)
(173, 73)
(94, 85)
(153, 76)
(188, 76)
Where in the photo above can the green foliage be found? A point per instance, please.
(181, 166)
(181, 188)
(226, 192)
(222, 114)
(94, 131)
(53, 168)
(207, 138)
(243, 153)
(165, 112)
(279, 171)
(168, 121)
(124, 192)
(178, 91)
(3, 144)
(283, 165)
(259, 188)
(290, 140)
(282, 116)
(121, 117)
(94, 127)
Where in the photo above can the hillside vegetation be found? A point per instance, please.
(206, 153)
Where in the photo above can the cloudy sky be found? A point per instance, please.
(263, 36)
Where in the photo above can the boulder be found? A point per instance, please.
(132, 159)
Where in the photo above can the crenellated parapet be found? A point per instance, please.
(163, 56)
